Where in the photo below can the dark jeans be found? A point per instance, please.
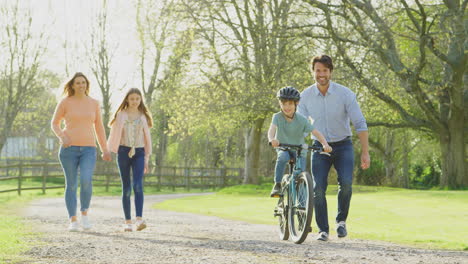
(342, 158)
(137, 165)
(282, 159)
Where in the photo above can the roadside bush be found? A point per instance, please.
(374, 176)
(425, 176)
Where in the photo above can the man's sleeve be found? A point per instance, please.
(301, 108)
(355, 114)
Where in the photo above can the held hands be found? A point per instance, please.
(274, 143)
(106, 156)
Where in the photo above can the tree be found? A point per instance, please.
(248, 54)
(34, 118)
(161, 35)
(101, 60)
(21, 51)
(154, 20)
(433, 77)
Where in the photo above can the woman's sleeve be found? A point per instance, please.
(115, 133)
(99, 129)
(59, 114)
(147, 135)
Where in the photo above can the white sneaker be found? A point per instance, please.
(140, 225)
(322, 236)
(74, 227)
(85, 222)
(128, 228)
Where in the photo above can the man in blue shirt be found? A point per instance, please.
(331, 107)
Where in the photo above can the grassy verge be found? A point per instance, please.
(15, 235)
(429, 219)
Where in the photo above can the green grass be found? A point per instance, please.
(428, 219)
(14, 234)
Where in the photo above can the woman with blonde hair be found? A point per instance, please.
(82, 117)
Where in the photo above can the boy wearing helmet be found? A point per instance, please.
(289, 127)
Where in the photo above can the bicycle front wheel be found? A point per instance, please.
(282, 213)
(301, 208)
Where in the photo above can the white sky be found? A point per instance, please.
(72, 21)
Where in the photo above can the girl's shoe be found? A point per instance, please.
(85, 222)
(128, 228)
(74, 227)
(140, 225)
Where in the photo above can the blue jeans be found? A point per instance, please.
(137, 165)
(282, 159)
(342, 158)
(73, 158)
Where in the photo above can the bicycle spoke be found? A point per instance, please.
(301, 210)
(281, 213)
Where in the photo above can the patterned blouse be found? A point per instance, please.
(130, 133)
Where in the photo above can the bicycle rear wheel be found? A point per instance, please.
(301, 208)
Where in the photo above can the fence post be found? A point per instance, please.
(173, 179)
(241, 176)
(107, 182)
(158, 177)
(20, 175)
(187, 178)
(223, 177)
(45, 173)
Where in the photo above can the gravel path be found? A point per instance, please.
(187, 238)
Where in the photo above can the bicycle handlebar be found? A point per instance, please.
(304, 146)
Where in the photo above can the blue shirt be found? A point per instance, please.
(291, 132)
(333, 112)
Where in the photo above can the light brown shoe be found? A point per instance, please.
(140, 225)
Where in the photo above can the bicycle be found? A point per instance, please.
(295, 204)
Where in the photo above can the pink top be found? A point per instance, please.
(83, 120)
(119, 134)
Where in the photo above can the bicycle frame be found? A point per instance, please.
(295, 168)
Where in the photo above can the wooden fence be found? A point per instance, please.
(49, 175)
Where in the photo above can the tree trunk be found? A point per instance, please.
(161, 148)
(106, 113)
(389, 158)
(227, 151)
(252, 152)
(5, 132)
(404, 182)
(3, 139)
(452, 144)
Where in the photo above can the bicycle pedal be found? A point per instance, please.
(275, 196)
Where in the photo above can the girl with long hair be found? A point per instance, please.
(131, 140)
